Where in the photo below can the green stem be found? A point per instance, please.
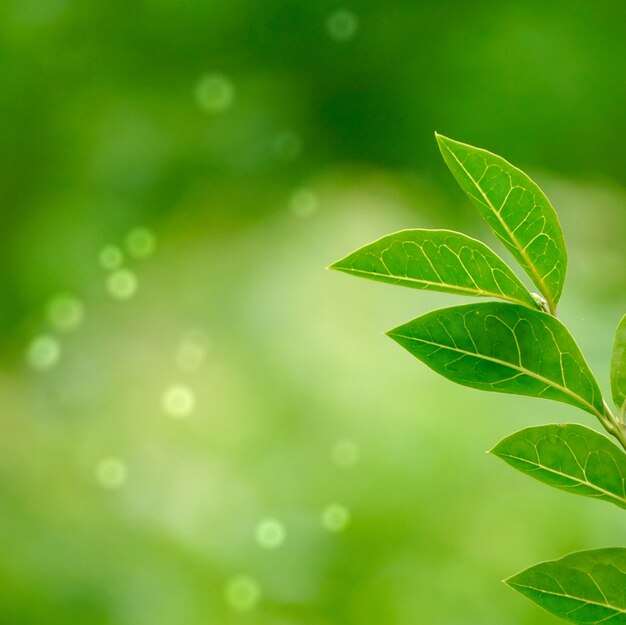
(614, 426)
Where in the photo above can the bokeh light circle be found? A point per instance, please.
(122, 284)
(178, 401)
(342, 25)
(214, 93)
(65, 312)
(270, 534)
(44, 352)
(335, 518)
(111, 473)
(242, 593)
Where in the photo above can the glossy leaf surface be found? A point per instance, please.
(571, 457)
(517, 211)
(506, 348)
(437, 260)
(587, 588)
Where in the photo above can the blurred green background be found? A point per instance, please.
(199, 424)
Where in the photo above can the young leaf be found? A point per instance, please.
(438, 260)
(618, 365)
(517, 211)
(570, 457)
(506, 348)
(587, 588)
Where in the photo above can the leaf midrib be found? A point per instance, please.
(466, 289)
(608, 606)
(539, 280)
(592, 409)
(622, 500)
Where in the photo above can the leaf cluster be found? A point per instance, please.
(514, 343)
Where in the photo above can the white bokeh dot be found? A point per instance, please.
(270, 533)
(111, 473)
(342, 25)
(65, 312)
(140, 242)
(111, 257)
(304, 202)
(44, 352)
(122, 284)
(178, 401)
(242, 593)
(335, 517)
(214, 93)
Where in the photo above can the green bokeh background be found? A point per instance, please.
(257, 142)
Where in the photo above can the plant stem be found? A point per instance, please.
(613, 425)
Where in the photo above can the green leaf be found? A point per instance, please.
(587, 588)
(506, 348)
(571, 457)
(618, 366)
(517, 211)
(438, 260)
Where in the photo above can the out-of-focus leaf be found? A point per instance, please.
(587, 588)
(502, 347)
(437, 260)
(618, 365)
(517, 211)
(571, 457)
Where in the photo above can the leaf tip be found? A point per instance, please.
(439, 138)
(508, 581)
(494, 451)
(336, 266)
(515, 581)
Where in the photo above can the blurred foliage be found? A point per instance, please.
(163, 408)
